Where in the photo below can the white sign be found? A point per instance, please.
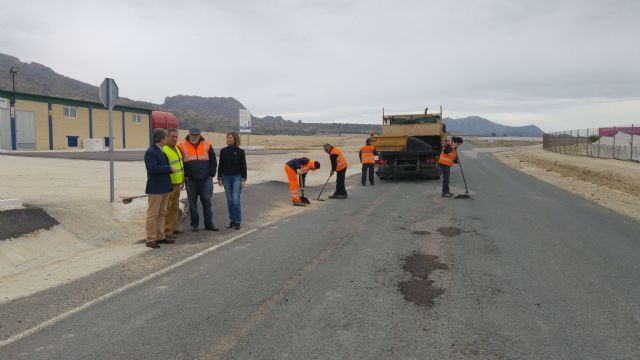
(108, 93)
(4, 103)
(245, 121)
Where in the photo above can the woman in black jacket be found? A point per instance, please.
(232, 175)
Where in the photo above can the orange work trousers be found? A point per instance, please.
(292, 175)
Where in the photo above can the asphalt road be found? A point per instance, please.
(524, 271)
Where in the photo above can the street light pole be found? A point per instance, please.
(12, 108)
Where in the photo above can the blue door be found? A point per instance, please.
(72, 141)
(106, 141)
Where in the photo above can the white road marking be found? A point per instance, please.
(120, 290)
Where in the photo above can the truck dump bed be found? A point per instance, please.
(409, 145)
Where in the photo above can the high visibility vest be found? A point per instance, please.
(367, 154)
(448, 159)
(191, 153)
(308, 166)
(175, 159)
(342, 161)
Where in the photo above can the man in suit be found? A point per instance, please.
(158, 188)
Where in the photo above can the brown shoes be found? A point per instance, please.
(153, 244)
(168, 240)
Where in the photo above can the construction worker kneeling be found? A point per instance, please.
(296, 170)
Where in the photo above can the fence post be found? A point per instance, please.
(632, 131)
(614, 142)
(599, 142)
(588, 143)
(578, 142)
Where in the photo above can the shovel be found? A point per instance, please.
(301, 187)
(128, 200)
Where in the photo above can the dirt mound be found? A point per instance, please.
(18, 222)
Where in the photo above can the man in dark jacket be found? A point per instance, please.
(199, 169)
(158, 187)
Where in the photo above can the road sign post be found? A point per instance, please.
(244, 123)
(109, 95)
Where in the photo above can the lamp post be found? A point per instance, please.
(13, 71)
(12, 108)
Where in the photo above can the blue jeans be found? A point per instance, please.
(204, 190)
(232, 189)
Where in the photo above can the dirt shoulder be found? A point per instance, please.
(614, 184)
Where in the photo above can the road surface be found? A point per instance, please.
(522, 271)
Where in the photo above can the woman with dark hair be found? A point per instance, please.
(232, 175)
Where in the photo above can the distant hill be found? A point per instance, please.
(34, 78)
(218, 113)
(477, 126)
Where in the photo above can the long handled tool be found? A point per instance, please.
(301, 187)
(325, 185)
(129, 199)
(466, 189)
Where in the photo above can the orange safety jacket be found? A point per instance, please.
(341, 162)
(367, 153)
(191, 153)
(448, 159)
(308, 166)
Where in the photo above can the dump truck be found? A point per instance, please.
(410, 145)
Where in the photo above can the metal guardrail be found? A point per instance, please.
(617, 142)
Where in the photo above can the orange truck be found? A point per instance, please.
(410, 145)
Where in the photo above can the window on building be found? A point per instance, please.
(70, 112)
(136, 118)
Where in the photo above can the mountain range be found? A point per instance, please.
(217, 113)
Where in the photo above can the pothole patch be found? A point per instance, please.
(420, 290)
(449, 231)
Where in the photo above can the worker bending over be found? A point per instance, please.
(338, 166)
(448, 157)
(367, 159)
(298, 167)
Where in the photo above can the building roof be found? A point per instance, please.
(71, 102)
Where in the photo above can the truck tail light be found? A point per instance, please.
(380, 161)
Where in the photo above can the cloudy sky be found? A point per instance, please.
(557, 64)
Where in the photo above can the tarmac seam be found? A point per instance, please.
(120, 290)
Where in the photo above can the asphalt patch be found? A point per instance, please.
(422, 232)
(420, 289)
(420, 292)
(18, 222)
(449, 231)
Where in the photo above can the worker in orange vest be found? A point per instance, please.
(367, 159)
(200, 168)
(298, 168)
(339, 167)
(448, 157)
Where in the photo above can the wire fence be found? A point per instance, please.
(617, 142)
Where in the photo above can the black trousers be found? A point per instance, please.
(341, 189)
(446, 174)
(367, 168)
